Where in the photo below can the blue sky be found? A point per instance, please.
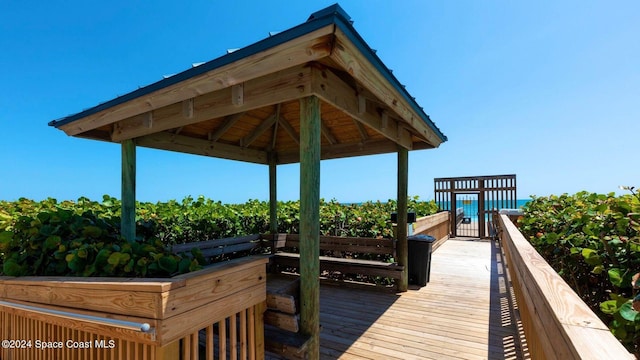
(548, 90)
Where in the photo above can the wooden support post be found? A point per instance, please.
(273, 196)
(310, 222)
(128, 218)
(402, 245)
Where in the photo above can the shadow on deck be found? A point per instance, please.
(466, 311)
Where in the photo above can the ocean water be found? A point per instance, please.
(470, 205)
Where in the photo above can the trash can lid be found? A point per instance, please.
(426, 238)
(511, 212)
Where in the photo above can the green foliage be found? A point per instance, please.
(82, 238)
(63, 242)
(593, 242)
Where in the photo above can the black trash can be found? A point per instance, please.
(419, 258)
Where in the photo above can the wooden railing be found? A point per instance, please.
(436, 225)
(557, 323)
(217, 311)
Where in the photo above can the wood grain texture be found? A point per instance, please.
(464, 312)
(351, 60)
(128, 218)
(310, 220)
(402, 246)
(557, 323)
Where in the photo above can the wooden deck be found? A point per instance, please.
(464, 312)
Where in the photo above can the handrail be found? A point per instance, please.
(129, 325)
(556, 322)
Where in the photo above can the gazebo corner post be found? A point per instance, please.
(128, 213)
(273, 194)
(310, 130)
(402, 246)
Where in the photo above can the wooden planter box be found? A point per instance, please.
(102, 318)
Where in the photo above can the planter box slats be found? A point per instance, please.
(83, 309)
(161, 298)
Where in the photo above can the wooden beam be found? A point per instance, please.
(282, 86)
(128, 218)
(310, 222)
(229, 121)
(189, 145)
(362, 104)
(313, 46)
(289, 130)
(237, 94)
(274, 137)
(187, 108)
(148, 120)
(343, 150)
(259, 130)
(402, 247)
(273, 193)
(330, 88)
(347, 55)
(328, 135)
(363, 132)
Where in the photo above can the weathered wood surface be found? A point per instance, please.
(556, 322)
(337, 245)
(217, 247)
(341, 244)
(233, 292)
(465, 312)
(128, 217)
(310, 220)
(436, 225)
(402, 246)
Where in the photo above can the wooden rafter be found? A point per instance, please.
(228, 123)
(326, 132)
(363, 132)
(333, 90)
(189, 145)
(347, 56)
(289, 130)
(275, 127)
(289, 84)
(247, 140)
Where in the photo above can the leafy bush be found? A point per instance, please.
(82, 238)
(593, 242)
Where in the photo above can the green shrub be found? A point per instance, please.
(593, 242)
(82, 238)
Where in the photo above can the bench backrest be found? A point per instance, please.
(339, 243)
(224, 246)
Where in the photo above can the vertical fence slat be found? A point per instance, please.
(243, 334)
(222, 339)
(209, 343)
(233, 336)
(252, 333)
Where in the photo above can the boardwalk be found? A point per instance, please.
(465, 312)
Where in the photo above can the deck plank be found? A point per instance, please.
(464, 312)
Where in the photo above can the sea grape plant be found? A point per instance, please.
(593, 242)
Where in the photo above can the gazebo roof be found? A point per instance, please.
(244, 105)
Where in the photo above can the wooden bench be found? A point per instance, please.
(341, 255)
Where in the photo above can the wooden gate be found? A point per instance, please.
(484, 195)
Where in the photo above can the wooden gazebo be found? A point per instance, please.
(316, 91)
